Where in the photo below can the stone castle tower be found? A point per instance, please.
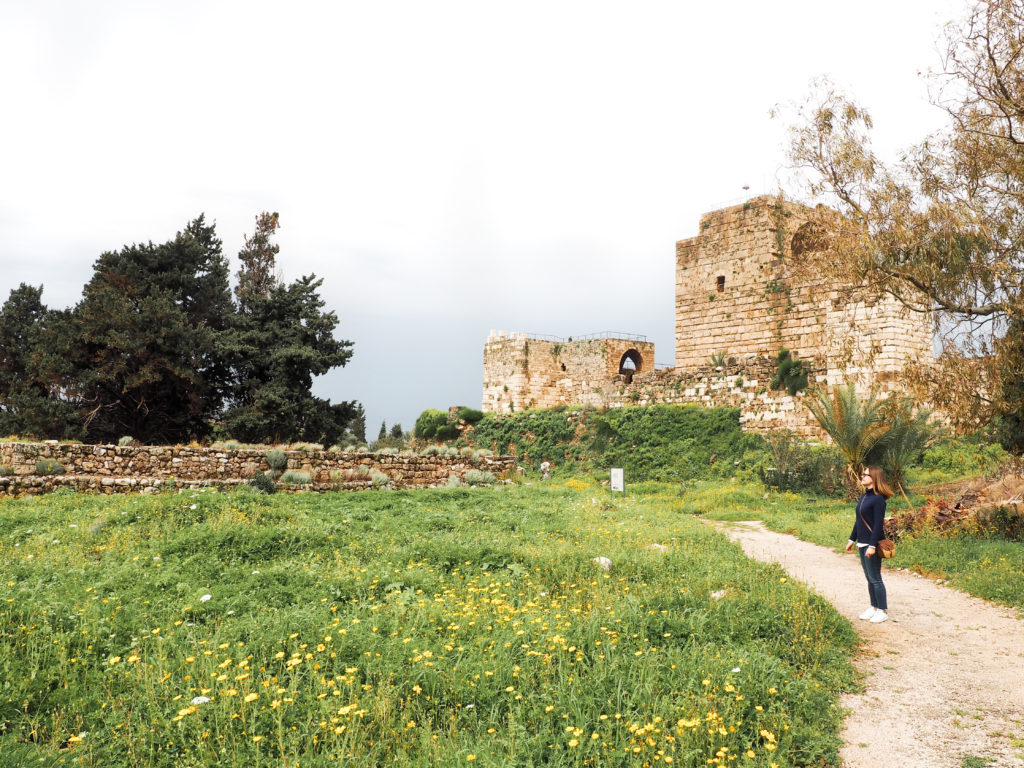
(737, 306)
(734, 295)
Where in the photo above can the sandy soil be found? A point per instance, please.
(943, 678)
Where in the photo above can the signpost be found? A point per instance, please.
(618, 482)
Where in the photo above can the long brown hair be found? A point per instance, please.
(881, 485)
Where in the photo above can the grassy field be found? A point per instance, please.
(432, 628)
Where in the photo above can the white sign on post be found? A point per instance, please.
(618, 481)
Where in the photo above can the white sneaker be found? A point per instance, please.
(868, 613)
(879, 617)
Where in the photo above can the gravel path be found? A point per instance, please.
(944, 677)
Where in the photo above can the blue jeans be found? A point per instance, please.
(873, 570)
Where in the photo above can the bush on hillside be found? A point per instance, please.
(428, 423)
(470, 415)
(657, 442)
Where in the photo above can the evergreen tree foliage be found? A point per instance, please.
(259, 258)
(142, 346)
(156, 350)
(383, 430)
(29, 405)
(275, 349)
(357, 427)
(396, 431)
(279, 339)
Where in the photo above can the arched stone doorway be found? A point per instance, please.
(630, 363)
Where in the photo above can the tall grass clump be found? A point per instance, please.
(440, 627)
(49, 467)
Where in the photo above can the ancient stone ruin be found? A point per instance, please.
(119, 469)
(737, 306)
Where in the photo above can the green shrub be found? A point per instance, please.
(126, 440)
(476, 477)
(277, 459)
(295, 478)
(428, 422)
(6, 470)
(263, 482)
(470, 415)
(49, 467)
(654, 442)
(797, 466)
(790, 374)
(963, 457)
(446, 432)
(380, 480)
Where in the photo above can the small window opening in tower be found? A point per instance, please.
(721, 283)
(630, 363)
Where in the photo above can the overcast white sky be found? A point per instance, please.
(447, 167)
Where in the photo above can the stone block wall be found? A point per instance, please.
(112, 468)
(522, 372)
(742, 383)
(734, 295)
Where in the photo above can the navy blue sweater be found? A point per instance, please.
(870, 509)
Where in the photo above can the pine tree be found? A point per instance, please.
(30, 404)
(141, 349)
(259, 258)
(358, 424)
(383, 430)
(279, 339)
(396, 431)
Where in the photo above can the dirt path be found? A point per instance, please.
(944, 677)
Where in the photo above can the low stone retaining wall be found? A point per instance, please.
(119, 469)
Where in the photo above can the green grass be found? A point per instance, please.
(397, 628)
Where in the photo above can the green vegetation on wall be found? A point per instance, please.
(790, 374)
(656, 442)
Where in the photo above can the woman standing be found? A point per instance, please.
(867, 530)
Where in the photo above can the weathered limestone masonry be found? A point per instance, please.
(523, 372)
(736, 303)
(741, 383)
(113, 469)
(734, 295)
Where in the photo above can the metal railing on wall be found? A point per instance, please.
(565, 339)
